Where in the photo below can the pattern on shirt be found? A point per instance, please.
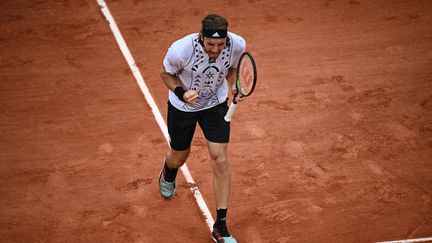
(207, 75)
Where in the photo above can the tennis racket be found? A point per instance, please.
(246, 79)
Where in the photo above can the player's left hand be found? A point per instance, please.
(234, 91)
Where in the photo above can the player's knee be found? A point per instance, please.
(176, 159)
(219, 162)
(176, 163)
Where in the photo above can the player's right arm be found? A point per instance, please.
(172, 82)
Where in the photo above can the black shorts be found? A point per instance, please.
(181, 125)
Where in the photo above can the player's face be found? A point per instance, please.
(214, 46)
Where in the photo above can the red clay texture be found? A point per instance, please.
(335, 144)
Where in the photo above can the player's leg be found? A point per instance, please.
(217, 131)
(181, 128)
(222, 188)
(221, 172)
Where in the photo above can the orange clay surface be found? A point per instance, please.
(335, 145)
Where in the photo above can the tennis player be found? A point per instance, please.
(199, 71)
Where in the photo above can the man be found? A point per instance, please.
(198, 70)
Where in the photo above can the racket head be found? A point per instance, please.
(246, 77)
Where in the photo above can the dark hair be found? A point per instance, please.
(214, 22)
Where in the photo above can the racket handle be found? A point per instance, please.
(230, 112)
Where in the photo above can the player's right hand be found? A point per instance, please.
(190, 96)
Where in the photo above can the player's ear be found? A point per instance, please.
(201, 39)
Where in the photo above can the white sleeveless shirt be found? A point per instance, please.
(187, 60)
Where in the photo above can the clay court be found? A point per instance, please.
(335, 144)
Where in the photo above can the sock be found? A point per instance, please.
(221, 216)
(169, 174)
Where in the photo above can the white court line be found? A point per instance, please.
(140, 80)
(409, 240)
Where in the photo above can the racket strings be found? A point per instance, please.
(246, 76)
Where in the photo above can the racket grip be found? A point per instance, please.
(230, 112)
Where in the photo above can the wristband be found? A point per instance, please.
(179, 92)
